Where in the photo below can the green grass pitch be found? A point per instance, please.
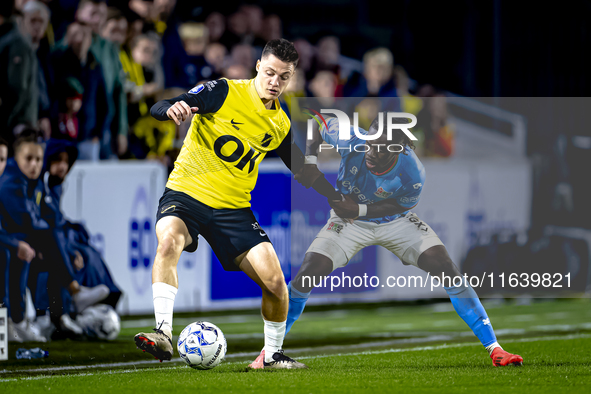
(360, 348)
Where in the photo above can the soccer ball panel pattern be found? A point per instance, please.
(202, 345)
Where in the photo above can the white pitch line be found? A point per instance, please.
(402, 341)
(415, 349)
(445, 346)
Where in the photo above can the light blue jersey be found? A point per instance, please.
(404, 182)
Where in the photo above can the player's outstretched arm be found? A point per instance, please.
(310, 172)
(180, 111)
(347, 208)
(203, 99)
(310, 175)
(306, 174)
(175, 109)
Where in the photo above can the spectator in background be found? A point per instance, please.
(10, 245)
(328, 51)
(323, 87)
(296, 87)
(439, 136)
(236, 30)
(143, 8)
(146, 75)
(70, 99)
(254, 23)
(36, 17)
(216, 26)
(135, 27)
(20, 215)
(162, 13)
(307, 53)
(329, 57)
(73, 58)
(195, 39)
(237, 71)
(152, 139)
(215, 55)
(133, 71)
(18, 84)
(115, 28)
(272, 28)
(163, 20)
(21, 330)
(140, 63)
(377, 78)
(35, 21)
(243, 55)
(89, 268)
(94, 14)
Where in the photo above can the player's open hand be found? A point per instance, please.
(308, 175)
(180, 111)
(347, 208)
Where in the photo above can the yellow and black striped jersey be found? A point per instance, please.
(229, 136)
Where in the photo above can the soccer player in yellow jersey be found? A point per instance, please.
(236, 123)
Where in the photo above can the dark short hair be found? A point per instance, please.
(27, 136)
(283, 50)
(398, 136)
(115, 13)
(3, 142)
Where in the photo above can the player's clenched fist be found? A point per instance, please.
(347, 208)
(180, 111)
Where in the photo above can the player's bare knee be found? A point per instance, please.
(171, 245)
(436, 261)
(314, 268)
(275, 287)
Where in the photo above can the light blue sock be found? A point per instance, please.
(297, 303)
(470, 309)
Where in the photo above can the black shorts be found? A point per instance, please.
(229, 232)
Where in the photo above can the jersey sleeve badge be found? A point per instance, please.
(197, 89)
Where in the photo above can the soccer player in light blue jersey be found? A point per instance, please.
(380, 182)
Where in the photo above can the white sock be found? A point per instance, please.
(492, 347)
(274, 333)
(163, 295)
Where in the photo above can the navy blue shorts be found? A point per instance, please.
(229, 232)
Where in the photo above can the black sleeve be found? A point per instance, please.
(208, 97)
(293, 158)
(291, 154)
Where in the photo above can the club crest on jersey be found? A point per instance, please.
(197, 89)
(334, 227)
(354, 170)
(382, 193)
(266, 140)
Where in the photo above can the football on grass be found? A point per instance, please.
(100, 321)
(202, 345)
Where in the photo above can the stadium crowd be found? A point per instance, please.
(80, 78)
(88, 71)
